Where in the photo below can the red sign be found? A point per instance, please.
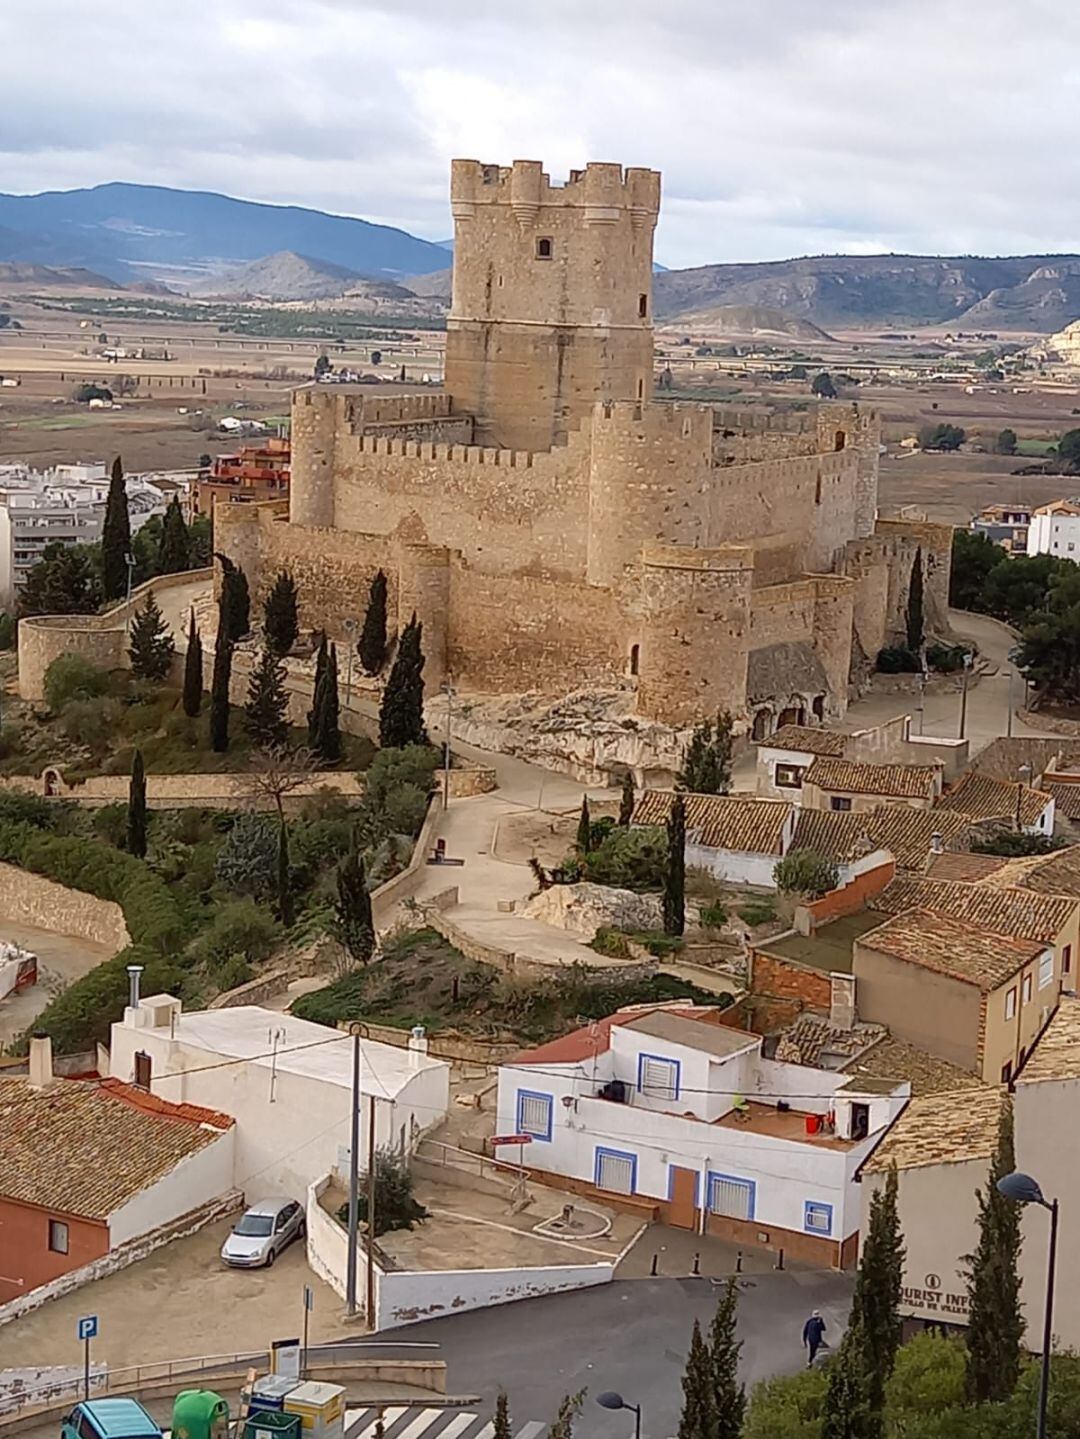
(510, 1139)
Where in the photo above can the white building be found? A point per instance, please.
(287, 1083)
(668, 1109)
(1055, 530)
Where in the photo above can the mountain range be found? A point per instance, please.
(143, 235)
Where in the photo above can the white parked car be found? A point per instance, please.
(262, 1232)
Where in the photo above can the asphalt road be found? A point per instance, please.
(630, 1336)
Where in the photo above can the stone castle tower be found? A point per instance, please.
(552, 302)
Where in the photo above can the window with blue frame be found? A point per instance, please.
(615, 1170)
(534, 1113)
(730, 1196)
(817, 1217)
(658, 1077)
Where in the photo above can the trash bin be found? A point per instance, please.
(272, 1424)
(813, 1123)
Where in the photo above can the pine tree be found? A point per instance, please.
(322, 660)
(916, 623)
(193, 672)
(583, 842)
(353, 925)
(267, 703)
(326, 740)
(115, 536)
(286, 911)
(150, 646)
(724, 1349)
(174, 552)
(401, 718)
(996, 1324)
(219, 695)
(698, 1419)
(280, 621)
(627, 799)
(675, 873)
(501, 1428)
(136, 808)
(372, 645)
(562, 1426)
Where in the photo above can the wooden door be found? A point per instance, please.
(682, 1203)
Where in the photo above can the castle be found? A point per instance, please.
(554, 527)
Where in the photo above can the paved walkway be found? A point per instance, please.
(61, 960)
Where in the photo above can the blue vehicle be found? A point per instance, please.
(109, 1419)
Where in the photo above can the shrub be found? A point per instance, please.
(761, 910)
(7, 631)
(71, 677)
(238, 928)
(31, 809)
(395, 1206)
(110, 824)
(1015, 844)
(627, 858)
(804, 871)
(713, 916)
(246, 862)
(91, 722)
(611, 942)
(897, 660)
(946, 659)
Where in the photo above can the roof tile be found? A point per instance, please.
(980, 796)
(898, 781)
(1015, 912)
(1057, 1053)
(946, 1128)
(950, 947)
(804, 739)
(722, 821)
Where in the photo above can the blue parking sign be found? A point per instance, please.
(88, 1327)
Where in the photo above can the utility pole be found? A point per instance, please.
(1009, 718)
(963, 696)
(371, 1213)
(354, 1175)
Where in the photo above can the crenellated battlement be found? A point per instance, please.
(526, 187)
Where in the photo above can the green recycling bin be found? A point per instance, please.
(272, 1424)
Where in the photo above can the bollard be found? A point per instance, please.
(697, 1264)
(779, 1260)
(652, 1266)
(738, 1262)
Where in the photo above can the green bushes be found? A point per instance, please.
(239, 933)
(805, 872)
(625, 858)
(760, 910)
(946, 659)
(71, 677)
(713, 916)
(246, 861)
(897, 660)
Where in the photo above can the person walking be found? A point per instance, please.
(813, 1336)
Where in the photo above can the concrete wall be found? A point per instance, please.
(931, 1011)
(327, 1242)
(27, 1262)
(410, 1297)
(27, 898)
(1045, 1113)
(199, 1179)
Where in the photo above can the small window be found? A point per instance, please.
(142, 1069)
(534, 1114)
(658, 1078)
(643, 311)
(840, 440)
(1010, 1004)
(1046, 969)
(635, 658)
(789, 776)
(840, 802)
(58, 1236)
(1027, 988)
(817, 491)
(615, 1171)
(1006, 1073)
(733, 1198)
(1066, 959)
(544, 247)
(817, 1218)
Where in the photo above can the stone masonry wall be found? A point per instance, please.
(27, 898)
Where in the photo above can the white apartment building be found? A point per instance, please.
(1055, 530)
(667, 1110)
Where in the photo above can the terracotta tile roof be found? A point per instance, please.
(1066, 796)
(839, 836)
(894, 1059)
(1057, 1053)
(1057, 873)
(903, 831)
(980, 796)
(87, 1148)
(1015, 912)
(899, 781)
(950, 947)
(722, 821)
(942, 1129)
(806, 740)
(595, 1038)
(968, 868)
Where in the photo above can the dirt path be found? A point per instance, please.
(61, 960)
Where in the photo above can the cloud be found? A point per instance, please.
(781, 128)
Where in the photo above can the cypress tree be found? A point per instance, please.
(234, 605)
(193, 672)
(327, 738)
(115, 536)
(322, 659)
(267, 703)
(501, 1424)
(286, 911)
(281, 624)
(698, 1419)
(136, 809)
(724, 1349)
(174, 551)
(401, 717)
(583, 842)
(353, 925)
(150, 646)
(689, 777)
(845, 1413)
(675, 873)
(996, 1324)
(707, 761)
(916, 623)
(626, 801)
(372, 645)
(219, 695)
(720, 759)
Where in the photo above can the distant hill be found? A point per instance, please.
(751, 320)
(1033, 292)
(126, 231)
(288, 276)
(15, 275)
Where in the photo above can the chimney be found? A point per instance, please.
(41, 1070)
(935, 842)
(134, 976)
(418, 1045)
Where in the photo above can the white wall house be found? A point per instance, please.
(673, 1109)
(287, 1083)
(1055, 530)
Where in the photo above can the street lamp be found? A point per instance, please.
(1022, 1189)
(610, 1400)
(1024, 774)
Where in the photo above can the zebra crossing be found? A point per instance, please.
(416, 1422)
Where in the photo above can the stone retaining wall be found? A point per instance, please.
(184, 791)
(27, 898)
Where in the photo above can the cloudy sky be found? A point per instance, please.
(782, 127)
